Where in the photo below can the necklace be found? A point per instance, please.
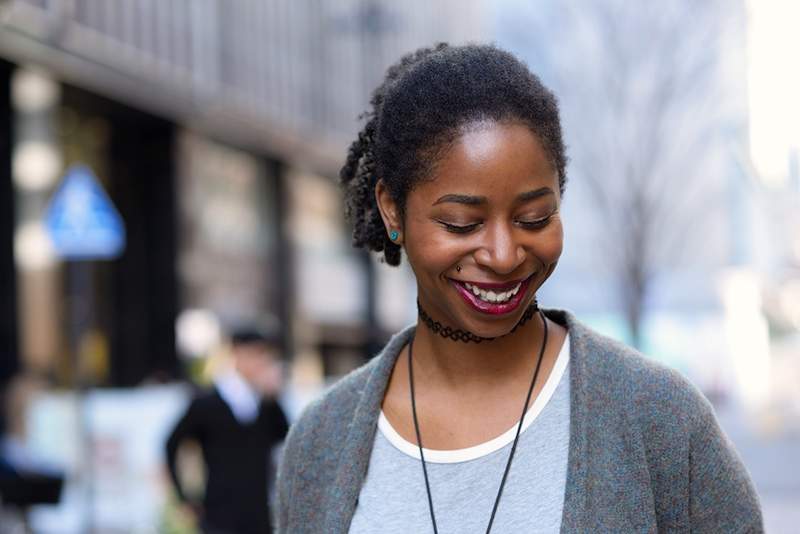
(468, 337)
(513, 446)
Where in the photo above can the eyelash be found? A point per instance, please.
(526, 225)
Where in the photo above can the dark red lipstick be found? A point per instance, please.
(492, 308)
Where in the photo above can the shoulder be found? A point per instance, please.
(648, 421)
(341, 419)
(201, 399)
(362, 388)
(205, 398)
(619, 377)
(323, 418)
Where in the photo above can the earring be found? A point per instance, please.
(393, 235)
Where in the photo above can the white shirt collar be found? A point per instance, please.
(239, 395)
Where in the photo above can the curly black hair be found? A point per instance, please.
(416, 113)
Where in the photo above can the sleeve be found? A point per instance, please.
(188, 427)
(723, 497)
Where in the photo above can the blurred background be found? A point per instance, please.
(168, 170)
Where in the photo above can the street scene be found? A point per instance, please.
(178, 277)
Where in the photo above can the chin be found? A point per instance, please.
(492, 327)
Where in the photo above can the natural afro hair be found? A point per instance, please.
(417, 112)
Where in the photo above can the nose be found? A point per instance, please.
(500, 252)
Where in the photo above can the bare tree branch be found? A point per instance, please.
(639, 85)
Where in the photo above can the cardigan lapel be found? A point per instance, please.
(575, 505)
(357, 447)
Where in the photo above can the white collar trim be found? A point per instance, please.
(494, 444)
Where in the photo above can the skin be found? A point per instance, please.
(257, 363)
(467, 394)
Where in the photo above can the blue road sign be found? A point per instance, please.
(82, 221)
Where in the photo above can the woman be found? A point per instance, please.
(461, 165)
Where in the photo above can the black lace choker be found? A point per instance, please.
(468, 337)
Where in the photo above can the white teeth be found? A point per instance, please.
(491, 296)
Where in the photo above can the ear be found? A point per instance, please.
(389, 211)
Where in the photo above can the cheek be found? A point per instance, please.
(431, 253)
(550, 244)
(429, 249)
(244, 367)
(250, 367)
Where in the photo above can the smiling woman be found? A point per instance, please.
(531, 422)
(492, 209)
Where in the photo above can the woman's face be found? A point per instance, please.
(492, 208)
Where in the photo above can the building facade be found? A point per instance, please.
(217, 130)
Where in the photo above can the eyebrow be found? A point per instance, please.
(471, 200)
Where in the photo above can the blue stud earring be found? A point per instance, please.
(393, 235)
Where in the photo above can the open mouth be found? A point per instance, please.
(491, 295)
(492, 298)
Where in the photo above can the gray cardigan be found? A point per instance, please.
(645, 451)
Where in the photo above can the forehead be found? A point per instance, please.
(491, 159)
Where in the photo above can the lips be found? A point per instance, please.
(506, 296)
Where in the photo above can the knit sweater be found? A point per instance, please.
(646, 453)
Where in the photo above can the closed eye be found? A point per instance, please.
(535, 225)
(458, 228)
(466, 228)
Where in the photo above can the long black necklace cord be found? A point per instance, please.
(516, 437)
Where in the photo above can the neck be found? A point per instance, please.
(457, 364)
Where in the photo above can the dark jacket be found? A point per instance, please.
(237, 459)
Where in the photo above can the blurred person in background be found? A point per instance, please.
(461, 165)
(236, 424)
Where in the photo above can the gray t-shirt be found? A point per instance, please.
(464, 482)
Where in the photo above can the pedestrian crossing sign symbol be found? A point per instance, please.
(81, 220)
